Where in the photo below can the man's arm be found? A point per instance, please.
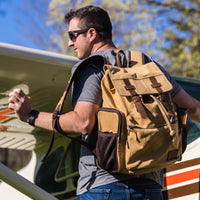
(184, 100)
(79, 121)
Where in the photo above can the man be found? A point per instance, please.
(90, 33)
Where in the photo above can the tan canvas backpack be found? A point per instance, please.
(138, 128)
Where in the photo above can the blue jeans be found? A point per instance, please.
(135, 189)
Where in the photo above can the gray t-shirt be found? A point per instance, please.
(87, 87)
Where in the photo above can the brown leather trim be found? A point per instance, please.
(172, 155)
(135, 97)
(181, 191)
(182, 165)
(118, 59)
(155, 84)
(130, 87)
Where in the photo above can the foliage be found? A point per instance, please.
(32, 18)
(182, 35)
(168, 30)
(126, 17)
(132, 20)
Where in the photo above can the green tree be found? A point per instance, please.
(182, 35)
(168, 30)
(32, 17)
(133, 24)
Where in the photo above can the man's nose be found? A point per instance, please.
(70, 43)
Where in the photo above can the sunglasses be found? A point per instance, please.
(74, 34)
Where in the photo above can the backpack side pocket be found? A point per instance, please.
(110, 155)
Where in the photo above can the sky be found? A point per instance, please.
(10, 30)
(12, 22)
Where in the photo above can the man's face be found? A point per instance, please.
(80, 40)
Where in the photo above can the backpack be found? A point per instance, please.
(138, 124)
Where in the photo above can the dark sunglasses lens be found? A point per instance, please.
(71, 36)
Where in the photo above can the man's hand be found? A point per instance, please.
(184, 100)
(20, 103)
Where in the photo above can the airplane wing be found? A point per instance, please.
(43, 76)
(182, 179)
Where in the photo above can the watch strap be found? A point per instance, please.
(32, 116)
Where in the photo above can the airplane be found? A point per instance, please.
(43, 77)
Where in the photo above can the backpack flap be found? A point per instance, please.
(145, 79)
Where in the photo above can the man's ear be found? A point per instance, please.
(92, 34)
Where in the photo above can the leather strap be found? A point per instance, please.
(58, 110)
(156, 85)
(118, 59)
(164, 97)
(60, 130)
(135, 58)
(136, 99)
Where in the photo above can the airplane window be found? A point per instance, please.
(68, 167)
(193, 131)
(60, 170)
(15, 159)
(45, 177)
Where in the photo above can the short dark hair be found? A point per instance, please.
(93, 17)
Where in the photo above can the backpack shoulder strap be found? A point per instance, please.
(58, 110)
(93, 59)
(135, 58)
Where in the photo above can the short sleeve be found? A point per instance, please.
(176, 86)
(87, 84)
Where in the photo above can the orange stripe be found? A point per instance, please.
(3, 112)
(2, 118)
(185, 176)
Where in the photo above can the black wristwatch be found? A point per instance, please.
(32, 116)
